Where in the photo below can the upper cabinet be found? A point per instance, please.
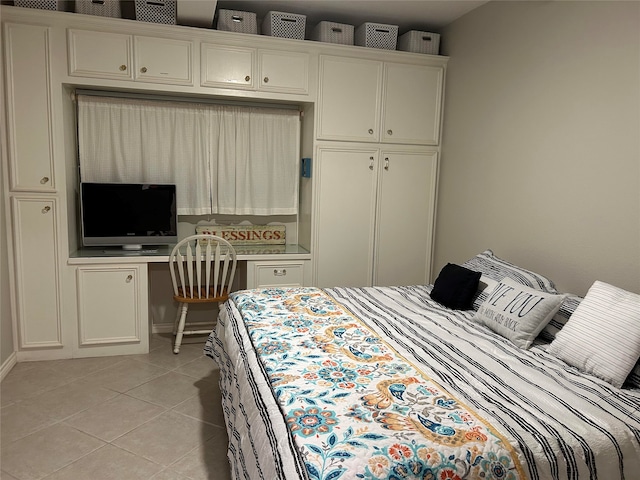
(130, 57)
(29, 110)
(254, 69)
(373, 101)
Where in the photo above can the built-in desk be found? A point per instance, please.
(160, 253)
(123, 295)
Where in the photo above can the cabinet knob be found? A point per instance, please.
(247, 78)
(123, 68)
(389, 132)
(386, 163)
(46, 209)
(143, 69)
(44, 180)
(129, 278)
(279, 272)
(371, 163)
(266, 80)
(371, 131)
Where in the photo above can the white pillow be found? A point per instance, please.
(518, 312)
(602, 337)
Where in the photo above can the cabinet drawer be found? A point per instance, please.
(267, 274)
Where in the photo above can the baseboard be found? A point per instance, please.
(8, 364)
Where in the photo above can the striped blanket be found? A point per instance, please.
(372, 383)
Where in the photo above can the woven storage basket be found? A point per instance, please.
(237, 21)
(332, 32)
(102, 8)
(156, 11)
(377, 35)
(41, 4)
(286, 25)
(419, 42)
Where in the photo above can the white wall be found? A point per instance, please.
(541, 148)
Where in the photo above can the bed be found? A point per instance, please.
(386, 382)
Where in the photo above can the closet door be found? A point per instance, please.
(412, 104)
(349, 99)
(345, 212)
(29, 130)
(406, 202)
(36, 268)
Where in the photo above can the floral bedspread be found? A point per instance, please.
(355, 407)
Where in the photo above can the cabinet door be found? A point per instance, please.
(29, 130)
(346, 192)
(349, 99)
(100, 55)
(227, 66)
(112, 304)
(35, 242)
(411, 106)
(163, 60)
(284, 72)
(406, 202)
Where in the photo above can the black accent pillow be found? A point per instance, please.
(455, 287)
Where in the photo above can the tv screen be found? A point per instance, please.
(128, 215)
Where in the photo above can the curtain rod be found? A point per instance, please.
(177, 98)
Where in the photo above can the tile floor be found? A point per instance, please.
(137, 417)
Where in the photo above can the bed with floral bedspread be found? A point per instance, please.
(386, 383)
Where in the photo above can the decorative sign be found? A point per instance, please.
(247, 234)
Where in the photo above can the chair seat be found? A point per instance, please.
(185, 297)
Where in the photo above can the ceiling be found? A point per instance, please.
(424, 15)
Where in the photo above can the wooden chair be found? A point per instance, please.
(202, 271)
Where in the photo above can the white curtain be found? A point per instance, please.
(223, 159)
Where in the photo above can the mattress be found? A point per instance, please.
(383, 382)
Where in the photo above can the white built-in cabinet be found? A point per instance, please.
(364, 100)
(374, 215)
(372, 125)
(30, 138)
(37, 271)
(32, 194)
(130, 57)
(112, 308)
(254, 69)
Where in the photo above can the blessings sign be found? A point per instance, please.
(247, 234)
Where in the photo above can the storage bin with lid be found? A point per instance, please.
(377, 35)
(237, 21)
(332, 32)
(286, 25)
(419, 42)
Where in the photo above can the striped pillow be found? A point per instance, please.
(559, 320)
(495, 268)
(602, 337)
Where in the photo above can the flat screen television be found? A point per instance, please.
(128, 215)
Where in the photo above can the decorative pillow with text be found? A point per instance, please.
(518, 312)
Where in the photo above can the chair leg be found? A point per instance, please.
(177, 320)
(180, 332)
